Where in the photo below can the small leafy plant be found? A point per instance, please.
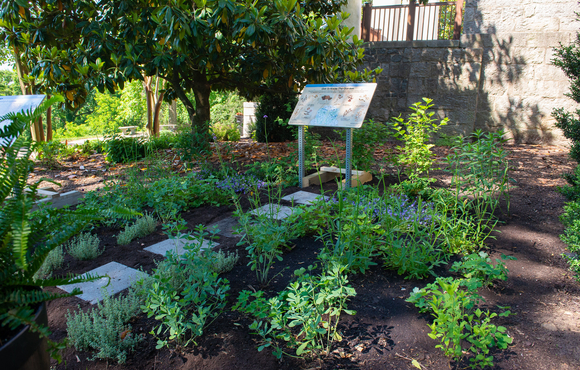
(105, 328)
(415, 155)
(303, 317)
(185, 294)
(264, 238)
(479, 171)
(85, 247)
(125, 149)
(458, 324)
(480, 266)
(142, 227)
(53, 261)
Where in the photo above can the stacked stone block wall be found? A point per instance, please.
(498, 76)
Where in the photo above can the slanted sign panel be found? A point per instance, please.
(17, 104)
(333, 105)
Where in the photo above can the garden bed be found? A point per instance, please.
(387, 332)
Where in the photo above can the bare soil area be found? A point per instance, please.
(386, 332)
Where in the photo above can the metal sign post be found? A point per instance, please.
(301, 170)
(348, 161)
(335, 106)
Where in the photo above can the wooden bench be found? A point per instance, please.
(128, 130)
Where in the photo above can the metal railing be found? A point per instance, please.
(434, 21)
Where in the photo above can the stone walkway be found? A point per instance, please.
(120, 277)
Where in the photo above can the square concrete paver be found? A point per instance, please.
(303, 197)
(121, 278)
(275, 211)
(226, 227)
(177, 246)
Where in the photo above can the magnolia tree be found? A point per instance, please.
(254, 47)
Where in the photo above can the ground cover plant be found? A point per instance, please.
(367, 248)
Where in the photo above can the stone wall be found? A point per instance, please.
(499, 75)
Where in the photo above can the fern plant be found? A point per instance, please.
(25, 240)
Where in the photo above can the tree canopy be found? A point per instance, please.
(70, 46)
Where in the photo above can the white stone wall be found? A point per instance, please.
(519, 84)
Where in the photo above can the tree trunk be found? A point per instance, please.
(154, 100)
(36, 129)
(147, 89)
(201, 91)
(156, 112)
(49, 123)
(183, 97)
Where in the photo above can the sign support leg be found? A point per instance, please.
(348, 164)
(301, 170)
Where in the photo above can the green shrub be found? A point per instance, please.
(479, 171)
(53, 261)
(304, 316)
(571, 219)
(226, 131)
(191, 146)
(223, 262)
(272, 115)
(185, 294)
(165, 140)
(480, 266)
(460, 327)
(142, 227)
(125, 149)
(415, 155)
(49, 153)
(104, 329)
(264, 239)
(85, 247)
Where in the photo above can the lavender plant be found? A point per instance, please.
(240, 183)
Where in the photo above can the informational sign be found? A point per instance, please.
(333, 105)
(17, 104)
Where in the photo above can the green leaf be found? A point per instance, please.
(300, 349)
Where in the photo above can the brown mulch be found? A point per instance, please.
(386, 332)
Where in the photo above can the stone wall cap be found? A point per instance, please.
(413, 44)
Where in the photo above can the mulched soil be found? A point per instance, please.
(386, 332)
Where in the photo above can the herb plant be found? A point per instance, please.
(184, 293)
(458, 324)
(142, 227)
(105, 328)
(303, 317)
(479, 170)
(264, 237)
(415, 155)
(85, 247)
(480, 266)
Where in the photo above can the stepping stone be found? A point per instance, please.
(226, 227)
(275, 211)
(121, 278)
(304, 197)
(177, 246)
